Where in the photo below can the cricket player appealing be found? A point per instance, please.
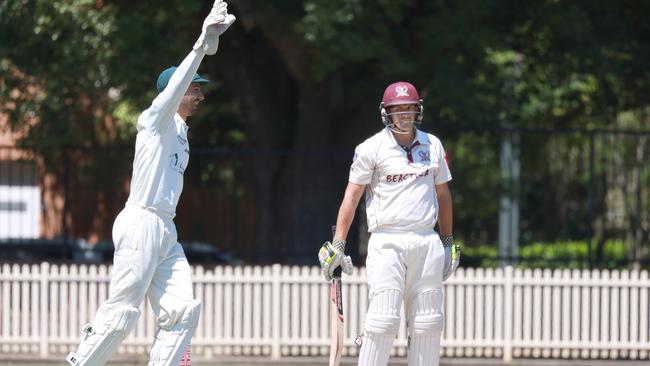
(404, 174)
(148, 259)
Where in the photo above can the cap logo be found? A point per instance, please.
(401, 91)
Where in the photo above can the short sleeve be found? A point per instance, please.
(363, 165)
(443, 174)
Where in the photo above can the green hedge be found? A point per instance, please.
(561, 254)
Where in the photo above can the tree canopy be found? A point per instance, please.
(307, 75)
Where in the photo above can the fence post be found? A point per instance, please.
(44, 301)
(507, 313)
(276, 289)
(590, 201)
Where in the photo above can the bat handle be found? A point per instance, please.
(337, 270)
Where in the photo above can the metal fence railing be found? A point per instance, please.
(282, 311)
(583, 194)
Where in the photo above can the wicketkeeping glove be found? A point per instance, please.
(214, 25)
(331, 255)
(452, 255)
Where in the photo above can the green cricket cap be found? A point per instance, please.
(163, 78)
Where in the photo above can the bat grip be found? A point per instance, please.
(337, 270)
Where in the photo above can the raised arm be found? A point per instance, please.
(161, 112)
(157, 117)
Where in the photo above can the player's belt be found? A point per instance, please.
(421, 231)
(156, 211)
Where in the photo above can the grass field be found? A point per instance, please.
(353, 361)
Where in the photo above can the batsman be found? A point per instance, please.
(148, 259)
(404, 174)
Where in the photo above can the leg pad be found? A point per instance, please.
(102, 337)
(171, 341)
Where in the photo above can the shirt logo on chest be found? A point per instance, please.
(404, 177)
(425, 155)
(176, 164)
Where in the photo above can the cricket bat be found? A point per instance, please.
(336, 311)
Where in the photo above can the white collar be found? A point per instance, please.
(421, 137)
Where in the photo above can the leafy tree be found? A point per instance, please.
(299, 82)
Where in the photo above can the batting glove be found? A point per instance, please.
(214, 25)
(452, 255)
(331, 255)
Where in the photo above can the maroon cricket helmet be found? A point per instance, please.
(400, 92)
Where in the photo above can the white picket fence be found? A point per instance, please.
(283, 311)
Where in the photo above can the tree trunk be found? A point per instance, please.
(300, 168)
(263, 88)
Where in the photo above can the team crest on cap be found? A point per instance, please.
(402, 91)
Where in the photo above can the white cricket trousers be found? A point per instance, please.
(149, 261)
(403, 267)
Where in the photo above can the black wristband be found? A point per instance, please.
(339, 244)
(447, 240)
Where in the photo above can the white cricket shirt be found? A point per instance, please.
(162, 150)
(400, 185)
